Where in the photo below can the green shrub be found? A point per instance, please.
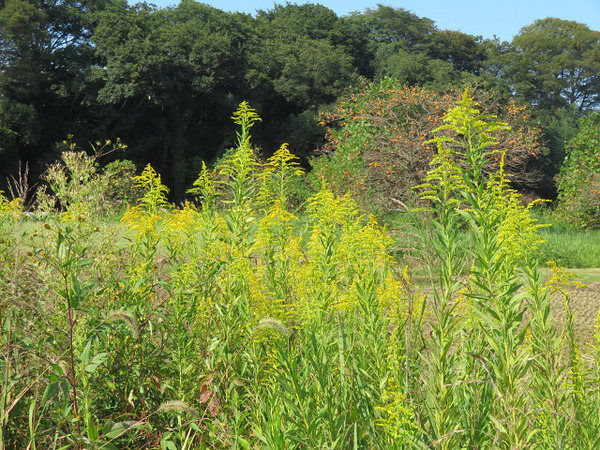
(75, 185)
(578, 181)
(121, 188)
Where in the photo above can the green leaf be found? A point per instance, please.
(120, 428)
(97, 361)
(84, 262)
(259, 434)
(137, 285)
(51, 390)
(167, 445)
(499, 426)
(61, 248)
(32, 423)
(75, 294)
(92, 430)
(85, 355)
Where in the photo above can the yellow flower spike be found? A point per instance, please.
(155, 197)
(245, 115)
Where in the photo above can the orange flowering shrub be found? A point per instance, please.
(379, 142)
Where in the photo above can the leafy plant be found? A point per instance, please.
(121, 189)
(577, 182)
(247, 323)
(494, 361)
(75, 183)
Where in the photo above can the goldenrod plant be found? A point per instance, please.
(481, 366)
(278, 175)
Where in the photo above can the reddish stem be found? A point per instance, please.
(71, 326)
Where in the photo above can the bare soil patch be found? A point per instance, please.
(585, 301)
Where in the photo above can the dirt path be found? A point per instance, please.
(585, 304)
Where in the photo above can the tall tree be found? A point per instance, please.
(466, 53)
(411, 48)
(174, 73)
(301, 57)
(45, 57)
(397, 28)
(557, 64)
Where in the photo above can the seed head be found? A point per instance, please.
(273, 324)
(128, 318)
(178, 405)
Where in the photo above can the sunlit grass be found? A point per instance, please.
(566, 244)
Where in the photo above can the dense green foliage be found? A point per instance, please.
(270, 310)
(244, 324)
(165, 80)
(557, 63)
(578, 183)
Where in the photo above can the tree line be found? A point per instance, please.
(166, 80)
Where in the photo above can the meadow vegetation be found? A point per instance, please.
(389, 290)
(577, 182)
(256, 317)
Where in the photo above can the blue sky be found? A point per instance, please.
(502, 18)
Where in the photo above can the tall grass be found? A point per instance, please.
(567, 244)
(243, 323)
(564, 243)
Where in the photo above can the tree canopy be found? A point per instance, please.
(557, 63)
(165, 80)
